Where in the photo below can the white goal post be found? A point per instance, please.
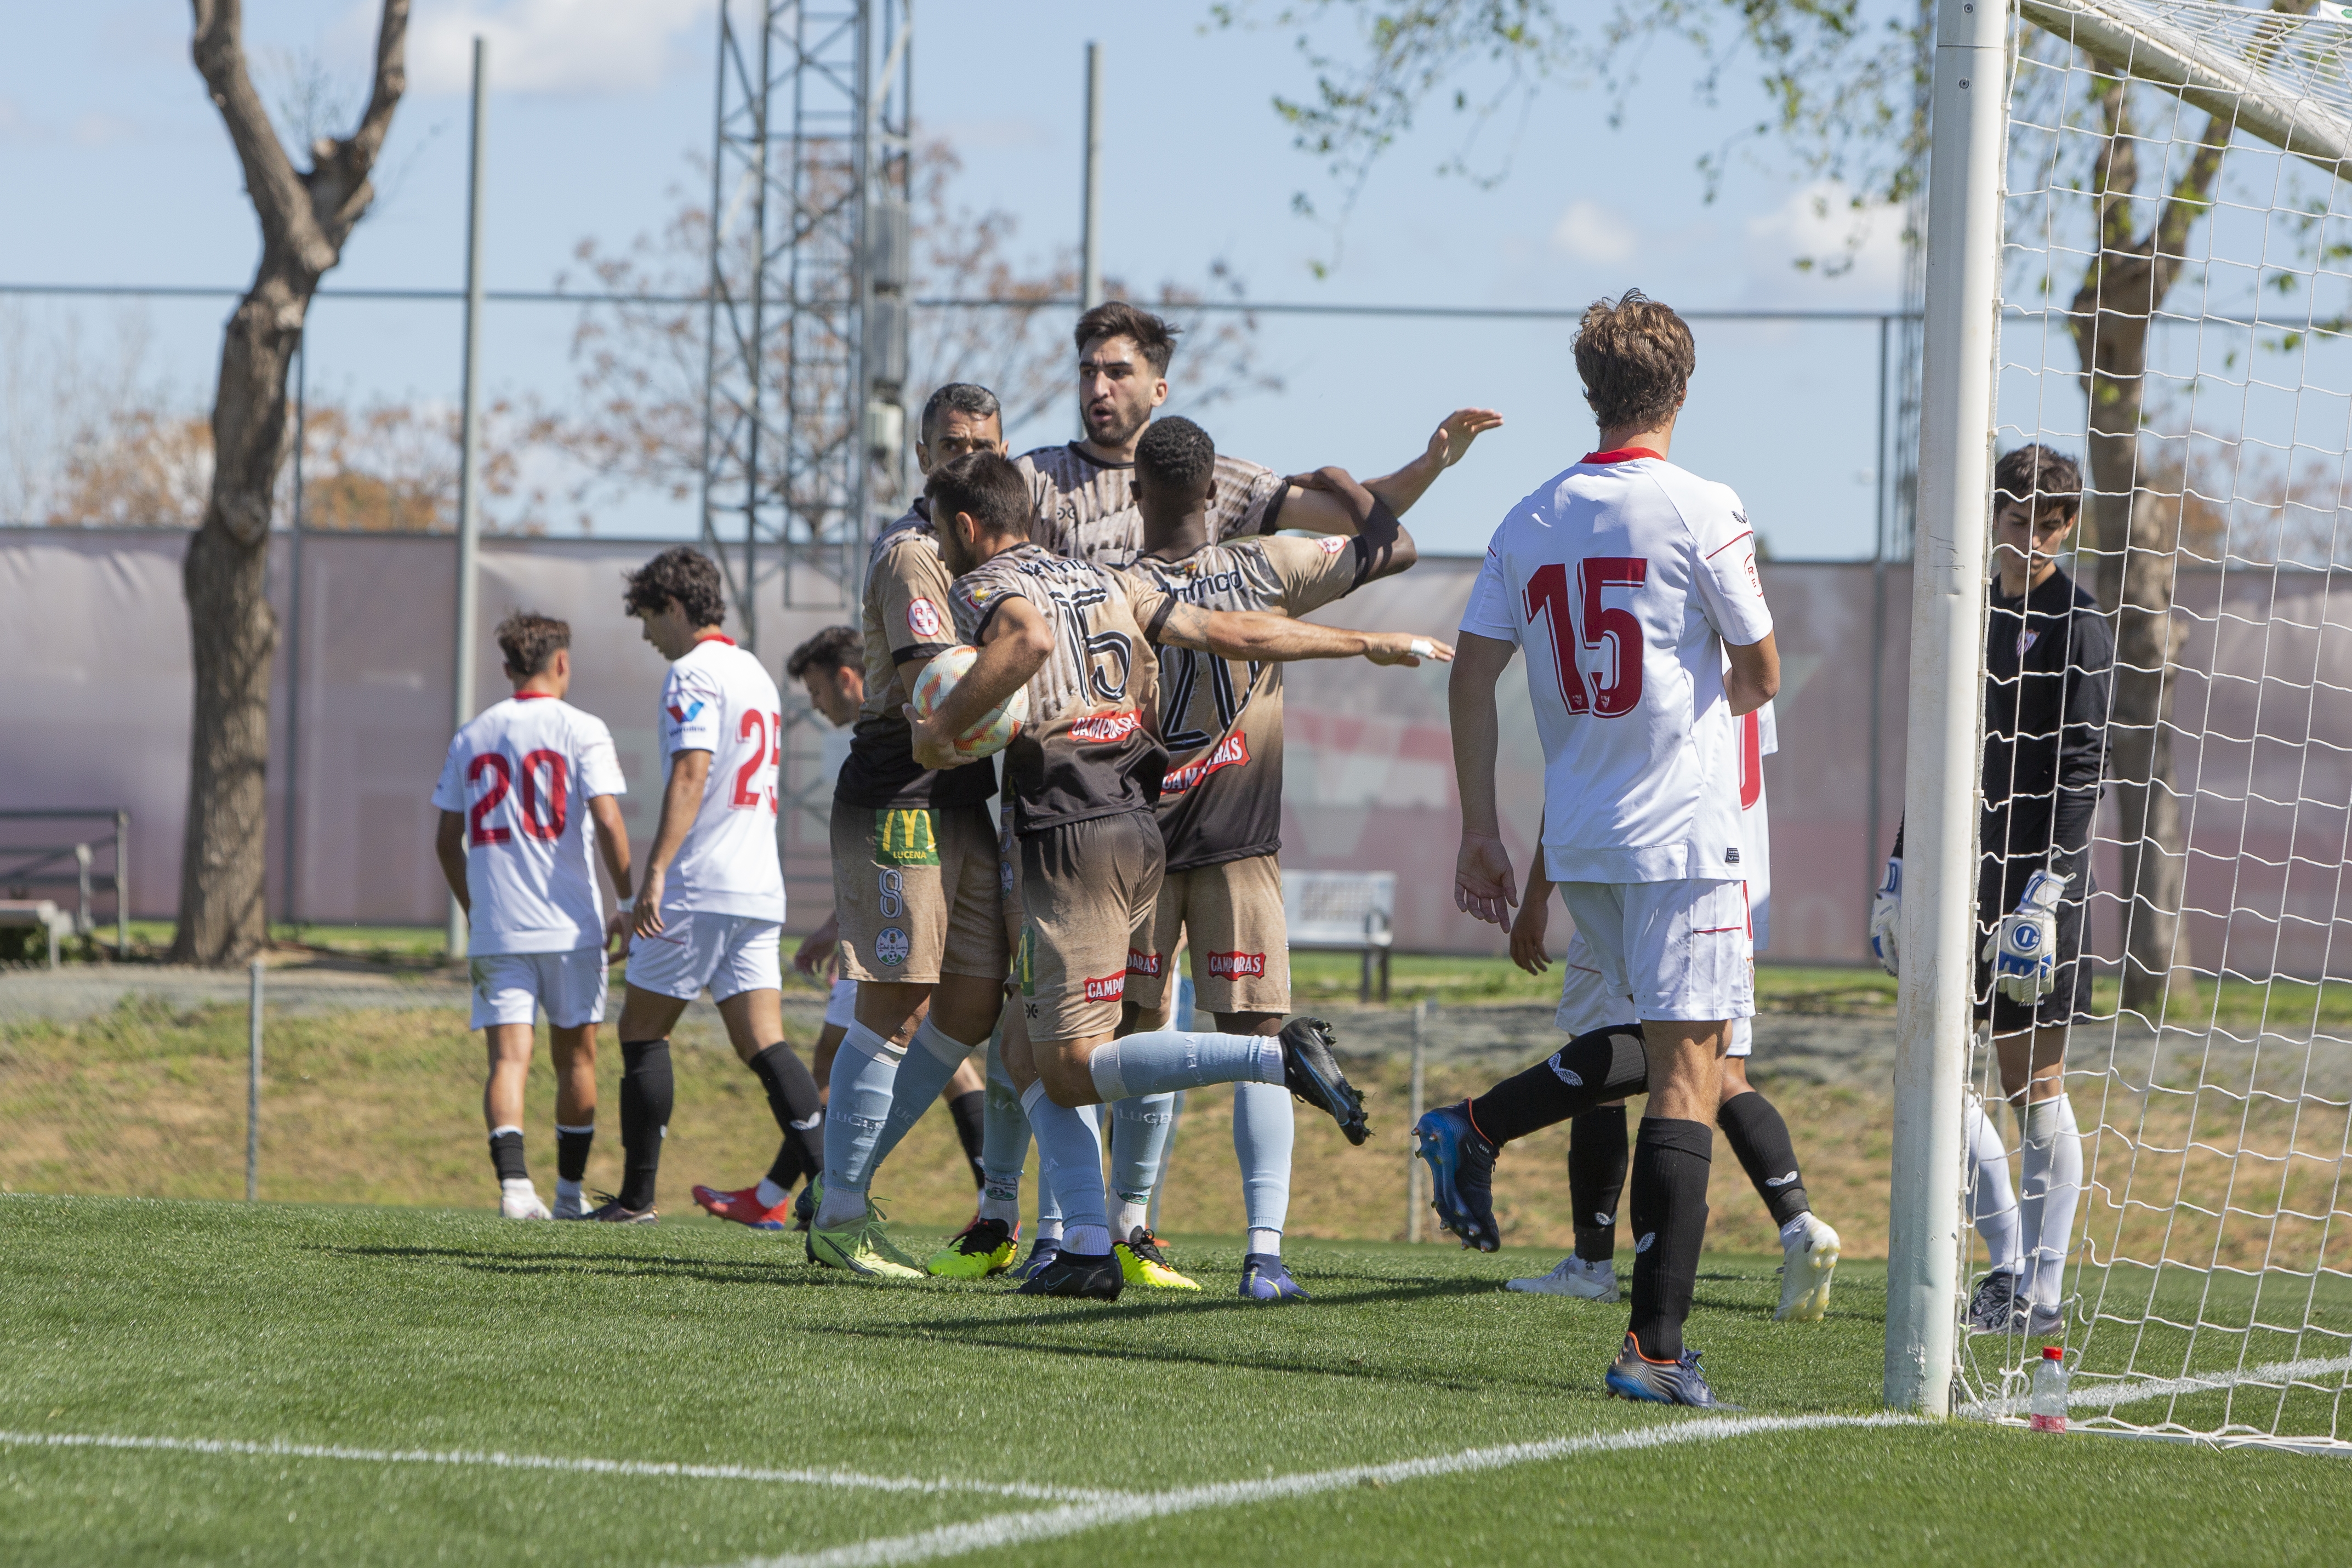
(2209, 1276)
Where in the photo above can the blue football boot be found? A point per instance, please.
(1634, 1376)
(1461, 1174)
(1263, 1279)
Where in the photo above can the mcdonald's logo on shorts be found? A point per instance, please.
(906, 835)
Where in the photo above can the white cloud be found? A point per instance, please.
(1855, 250)
(1590, 231)
(554, 46)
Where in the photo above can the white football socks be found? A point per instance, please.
(770, 1194)
(2053, 1172)
(1995, 1205)
(1171, 1059)
(1266, 1241)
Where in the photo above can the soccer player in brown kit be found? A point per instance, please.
(1221, 815)
(1084, 492)
(1084, 773)
(914, 878)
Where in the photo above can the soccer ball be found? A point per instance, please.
(995, 730)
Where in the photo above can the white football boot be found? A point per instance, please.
(519, 1199)
(1809, 1257)
(1573, 1277)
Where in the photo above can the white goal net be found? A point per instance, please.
(2177, 314)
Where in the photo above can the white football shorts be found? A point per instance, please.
(1586, 1004)
(1679, 950)
(840, 1005)
(511, 988)
(731, 954)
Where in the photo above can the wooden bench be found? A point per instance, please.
(1343, 912)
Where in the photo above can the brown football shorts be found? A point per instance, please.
(1231, 914)
(1087, 890)
(915, 889)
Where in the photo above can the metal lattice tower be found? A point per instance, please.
(806, 325)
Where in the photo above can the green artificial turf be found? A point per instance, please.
(415, 1330)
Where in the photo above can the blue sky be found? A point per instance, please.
(114, 168)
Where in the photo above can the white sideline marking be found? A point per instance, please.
(2110, 1395)
(634, 1468)
(1045, 1524)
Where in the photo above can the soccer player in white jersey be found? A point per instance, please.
(528, 799)
(1630, 581)
(1757, 1132)
(830, 667)
(713, 896)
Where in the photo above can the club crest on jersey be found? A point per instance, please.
(1142, 962)
(1108, 988)
(2026, 640)
(891, 946)
(1107, 727)
(1236, 966)
(1231, 752)
(923, 618)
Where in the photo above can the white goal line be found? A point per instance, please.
(1045, 1524)
(2110, 1395)
(637, 1467)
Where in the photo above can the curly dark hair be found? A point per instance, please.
(1636, 358)
(530, 639)
(1175, 452)
(682, 574)
(1154, 338)
(2039, 476)
(834, 648)
(986, 487)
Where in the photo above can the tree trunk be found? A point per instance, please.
(305, 218)
(2137, 533)
(232, 635)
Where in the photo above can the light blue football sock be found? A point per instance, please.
(865, 1071)
(1069, 1161)
(1139, 1136)
(1169, 1059)
(1263, 1131)
(1003, 1141)
(932, 1059)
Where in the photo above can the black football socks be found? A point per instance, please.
(970, 1110)
(1591, 1070)
(1760, 1139)
(792, 1100)
(1668, 1210)
(1597, 1156)
(647, 1093)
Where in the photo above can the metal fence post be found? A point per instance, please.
(1413, 1204)
(253, 1089)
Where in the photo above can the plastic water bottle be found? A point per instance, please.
(2049, 1403)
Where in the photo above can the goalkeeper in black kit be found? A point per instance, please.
(2049, 673)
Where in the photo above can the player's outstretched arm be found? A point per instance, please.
(1482, 870)
(1754, 678)
(1382, 546)
(449, 848)
(681, 803)
(1260, 635)
(1014, 646)
(613, 844)
(1317, 511)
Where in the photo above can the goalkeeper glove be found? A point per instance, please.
(1887, 917)
(2024, 951)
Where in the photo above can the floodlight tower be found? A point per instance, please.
(805, 325)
